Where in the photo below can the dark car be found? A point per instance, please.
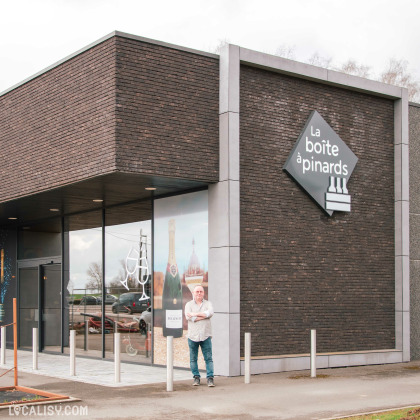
(109, 299)
(88, 300)
(130, 303)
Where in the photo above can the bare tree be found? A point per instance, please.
(115, 286)
(317, 60)
(95, 277)
(286, 51)
(397, 74)
(220, 44)
(354, 68)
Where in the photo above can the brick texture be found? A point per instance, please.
(300, 268)
(59, 128)
(123, 105)
(414, 135)
(167, 112)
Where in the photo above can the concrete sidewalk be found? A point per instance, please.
(289, 395)
(93, 371)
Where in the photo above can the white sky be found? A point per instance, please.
(36, 33)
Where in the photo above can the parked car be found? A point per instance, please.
(130, 303)
(88, 300)
(109, 299)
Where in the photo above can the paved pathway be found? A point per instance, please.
(92, 371)
(289, 395)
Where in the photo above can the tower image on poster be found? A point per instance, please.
(172, 291)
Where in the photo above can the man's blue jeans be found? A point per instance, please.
(207, 354)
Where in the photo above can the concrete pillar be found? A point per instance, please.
(224, 225)
(402, 227)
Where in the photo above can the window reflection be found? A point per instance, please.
(84, 280)
(127, 273)
(128, 280)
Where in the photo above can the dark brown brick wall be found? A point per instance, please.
(301, 269)
(414, 142)
(59, 127)
(167, 112)
(123, 105)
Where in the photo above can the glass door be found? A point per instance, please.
(28, 304)
(51, 307)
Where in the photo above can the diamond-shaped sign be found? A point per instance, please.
(321, 163)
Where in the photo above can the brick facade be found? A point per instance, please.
(301, 269)
(414, 119)
(167, 112)
(122, 105)
(59, 128)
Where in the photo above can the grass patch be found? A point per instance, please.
(410, 413)
(11, 395)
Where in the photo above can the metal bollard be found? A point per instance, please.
(169, 363)
(247, 358)
(3, 346)
(117, 357)
(73, 353)
(313, 353)
(35, 348)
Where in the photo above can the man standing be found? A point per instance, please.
(198, 313)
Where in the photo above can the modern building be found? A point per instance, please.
(292, 181)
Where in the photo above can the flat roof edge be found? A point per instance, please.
(165, 44)
(307, 71)
(57, 63)
(100, 41)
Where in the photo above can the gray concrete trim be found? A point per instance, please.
(307, 71)
(226, 344)
(401, 127)
(402, 229)
(99, 41)
(229, 146)
(323, 361)
(229, 79)
(402, 276)
(406, 336)
(402, 225)
(224, 223)
(165, 44)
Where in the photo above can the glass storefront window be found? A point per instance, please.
(83, 280)
(125, 296)
(128, 270)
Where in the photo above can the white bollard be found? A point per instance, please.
(35, 348)
(169, 363)
(247, 358)
(73, 353)
(117, 357)
(3, 346)
(86, 333)
(313, 353)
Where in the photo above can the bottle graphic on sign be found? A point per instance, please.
(172, 291)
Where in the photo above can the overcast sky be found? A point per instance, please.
(36, 33)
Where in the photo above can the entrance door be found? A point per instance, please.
(28, 304)
(51, 307)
